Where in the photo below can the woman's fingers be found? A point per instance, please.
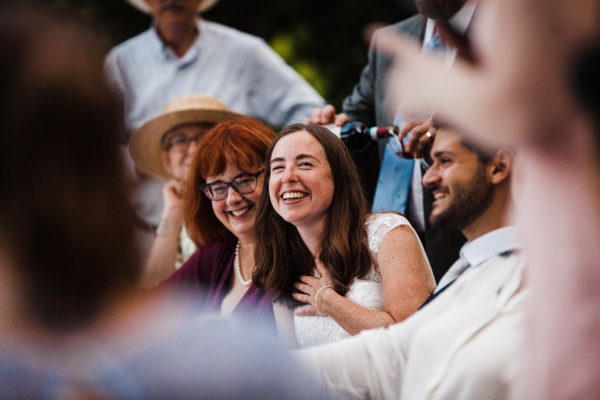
(309, 280)
(304, 298)
(407, 128)
(304, 288)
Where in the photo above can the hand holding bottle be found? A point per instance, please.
(416, 138)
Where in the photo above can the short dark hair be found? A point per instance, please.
(484, 156)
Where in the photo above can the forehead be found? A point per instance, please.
(447, 141)
(229, 174)
(193, 128)
(297, 143)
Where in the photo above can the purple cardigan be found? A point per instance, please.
(208, 273)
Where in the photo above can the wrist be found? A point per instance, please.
(320, 302)
(174, 212)
(168, 224)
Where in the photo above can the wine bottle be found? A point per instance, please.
(357, 136)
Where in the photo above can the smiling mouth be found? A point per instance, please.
(440, 195)
(240, 212)
(293, 195)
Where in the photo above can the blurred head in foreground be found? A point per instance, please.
(65, 225)
(66, 250)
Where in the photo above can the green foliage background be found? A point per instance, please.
(323, 40)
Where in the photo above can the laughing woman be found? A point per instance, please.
(318, 245)
(224, 185)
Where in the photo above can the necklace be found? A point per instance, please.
(236, 266)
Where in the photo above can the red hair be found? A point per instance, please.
(241, 143)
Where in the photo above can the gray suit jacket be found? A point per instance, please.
(368, 102)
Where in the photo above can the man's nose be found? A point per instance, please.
(193, 146)
(431, 177)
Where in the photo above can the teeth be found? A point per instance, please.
(438, 196)
(239, 212)
(293, 195)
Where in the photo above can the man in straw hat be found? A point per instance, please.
(182, 53)
(164, 147)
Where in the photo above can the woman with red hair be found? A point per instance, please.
(224, 185)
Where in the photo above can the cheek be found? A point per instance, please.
(174, 159)
(328, 189)
(273, 191)
(217, 208)
(166, 159)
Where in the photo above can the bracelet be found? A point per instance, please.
(317, 296)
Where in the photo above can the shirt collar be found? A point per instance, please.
(490, 245)
(164, 52)
(460, 21)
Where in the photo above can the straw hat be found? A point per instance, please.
(142, 6)
(145, 143)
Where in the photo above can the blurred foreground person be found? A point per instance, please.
(164, 147)
(69, 328)
(532, 82)
(464, 342)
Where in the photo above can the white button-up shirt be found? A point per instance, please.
(463, 345)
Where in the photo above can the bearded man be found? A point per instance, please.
(464, 342)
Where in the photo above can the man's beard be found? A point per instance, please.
(469, 201)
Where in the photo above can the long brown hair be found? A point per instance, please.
(241, 143)
(281, 256)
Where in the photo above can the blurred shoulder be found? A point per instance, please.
(224, 32)
(138, 41)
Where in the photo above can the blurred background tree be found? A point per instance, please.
(323, 40)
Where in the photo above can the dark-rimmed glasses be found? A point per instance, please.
(243, 184)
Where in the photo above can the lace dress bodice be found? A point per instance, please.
(367, 291)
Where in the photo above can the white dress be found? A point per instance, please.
(368, 292)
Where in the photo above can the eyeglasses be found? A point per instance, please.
(243, 185)
(180, 142)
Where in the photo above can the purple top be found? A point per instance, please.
(208, 273)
